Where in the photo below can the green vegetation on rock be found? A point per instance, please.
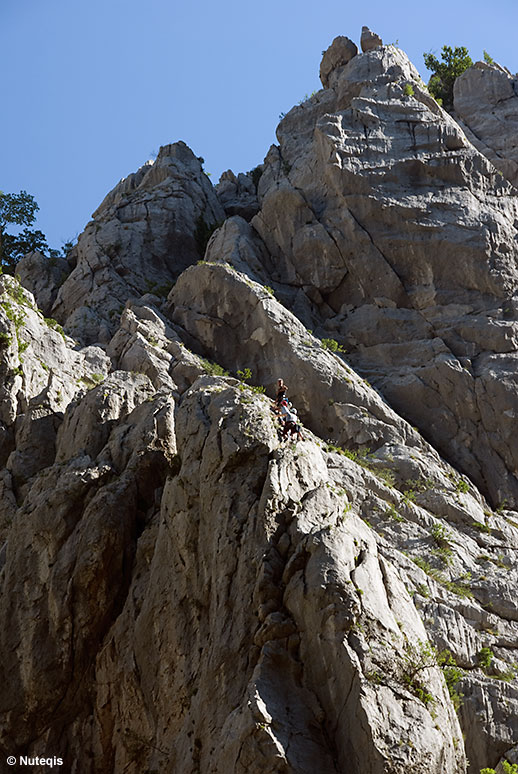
(454, 62)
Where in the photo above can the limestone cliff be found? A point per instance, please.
(183, 590)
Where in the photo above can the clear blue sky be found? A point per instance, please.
(92, 89)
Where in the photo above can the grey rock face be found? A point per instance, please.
(140, 239)
(369, 40)
(262, 335)
(338, 54)
(181, 588)
(402, 235)
(237, 194)
(146, 343)
(39, 364)
(71, 545)
(486, 101)
(43, 277)
(293, 666)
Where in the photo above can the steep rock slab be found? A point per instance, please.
(41, 371)
(457, 559)
(375, 201)
(485, 98)
(238, 323)
(146, 343)
(68, 561)
(251, 633)
(43, 277)
(140, 239)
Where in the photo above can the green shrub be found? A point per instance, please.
(458, 587)
(246, 374)
(393, 514)
(484, 657)
(408, 90)
(332, 345)
(455, 61)
(255, 174)
(417, 659)
(507, 768)
(213, 368)
(55, 325)
(452, 675)
(441, 536)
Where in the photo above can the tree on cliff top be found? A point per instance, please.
(454, 62)
(18, 210)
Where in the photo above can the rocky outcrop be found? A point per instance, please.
(292, 668)
(43, 277)
(339, 53)
(369, 40)
(238, 194)
(71, 547)
(42, 371)
(403, 237)
(351, 412)
(486, 101)
(141, 237)
(182, 588)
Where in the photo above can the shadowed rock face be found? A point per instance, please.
(181, 590)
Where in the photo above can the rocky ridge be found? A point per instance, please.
(182, 591)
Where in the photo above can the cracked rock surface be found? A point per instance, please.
(183, 590)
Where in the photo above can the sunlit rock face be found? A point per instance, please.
(141, 237)
(486, 103)
(404, 239)
(182, 589)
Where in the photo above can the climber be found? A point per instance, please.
(282, 389)
(285, 408)
(291, 424)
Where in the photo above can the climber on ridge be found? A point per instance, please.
(282, 389)
(291, 423)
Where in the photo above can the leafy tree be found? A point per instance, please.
(454, 62)
(18, 210)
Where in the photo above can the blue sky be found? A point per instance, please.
(92, 89)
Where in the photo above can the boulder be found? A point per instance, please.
(339, 53)
(369, 40)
